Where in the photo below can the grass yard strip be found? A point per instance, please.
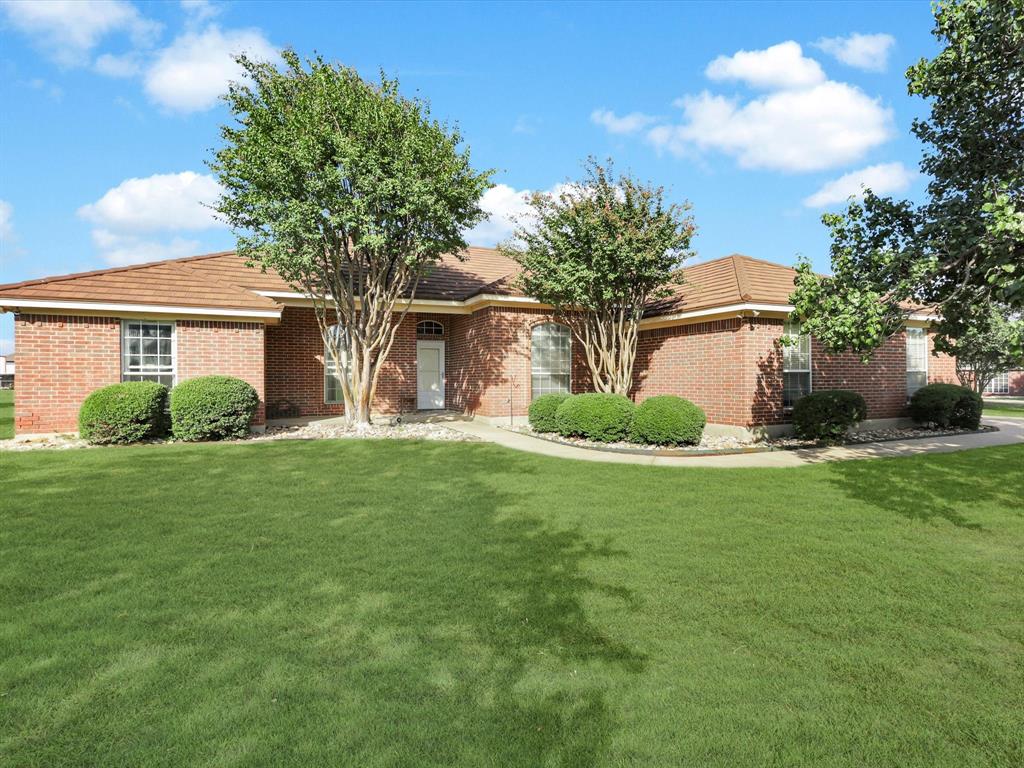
(410, 603)
(6, 414)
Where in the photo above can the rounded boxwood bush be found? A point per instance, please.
(946, 405)
(595, 416)
(212, 408)
(667, 420)
(827, 415)
(124, 413)
(542, 412)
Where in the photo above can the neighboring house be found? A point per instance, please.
(6, 371)
(1007, 383)
(471, 343)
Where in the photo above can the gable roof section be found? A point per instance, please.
(222, 282)
(726, 282)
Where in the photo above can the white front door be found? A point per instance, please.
(429, 374)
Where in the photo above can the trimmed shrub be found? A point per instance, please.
(542, 412)
(828, 415)
(595, 416)
(212, 408)
(946, 405)
(667, 420)
(124, 413)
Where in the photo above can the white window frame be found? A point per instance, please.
(922, 334)
(432, 335)
(138, 375)
(1000, 384)
(330, 373)
(801, 338)
(533, 368)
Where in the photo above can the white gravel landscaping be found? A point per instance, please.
(312, 431)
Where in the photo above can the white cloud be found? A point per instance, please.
(128, 215)
(125, 65)
(870, 52)
(882, 179)
(162, 202)
(780, 66)
(825, 126)
(631, 123)
(68, 30)
(119, 250)
(506, 208)
(503, 205)
(190, 74)
(200, 10)
(6, 219)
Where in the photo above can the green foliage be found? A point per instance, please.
(963, 250)
(607, 245)
(667, 420)
(828, 415)
(212, 408)
(124, 413)
(542, 412)
(991, 344)
(348, 190)
(946, 405)
(597, 416)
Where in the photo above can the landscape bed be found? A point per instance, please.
(727, 445)
(381, 603)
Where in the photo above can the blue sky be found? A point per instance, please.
(761, 115)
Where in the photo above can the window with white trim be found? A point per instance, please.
(429, 328)
(333, 392)
(550, 359)
(147, 351)
(796, 364)
(917, 359)
(1000, 384)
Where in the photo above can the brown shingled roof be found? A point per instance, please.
(223, 281)
(735, 279)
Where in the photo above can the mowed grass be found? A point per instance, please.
(1005, 409)
(424, 604)
(6, 414)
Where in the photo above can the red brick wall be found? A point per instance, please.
(489, 361)
(882, 381)
(731, 368)
(61, 360)
(295, 368)
(206, 347)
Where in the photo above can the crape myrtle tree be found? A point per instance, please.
(598, 250)
(962, 251)
(350, 192)
(988, 347)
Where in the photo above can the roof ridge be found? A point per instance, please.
(742, 282)
(761, 261)
(113, 270)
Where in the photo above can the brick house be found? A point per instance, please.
(470, 343)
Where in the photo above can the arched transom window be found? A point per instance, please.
(429, 328)
(550, 359)
(333, 392)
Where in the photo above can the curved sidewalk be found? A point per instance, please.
(1011, 432)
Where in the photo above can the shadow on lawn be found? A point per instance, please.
(933, 487)
(461, 624)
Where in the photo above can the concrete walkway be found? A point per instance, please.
(1011, 432)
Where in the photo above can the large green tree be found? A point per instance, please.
(598, 251)
(988, 347)
(962, 251)
(349, 191)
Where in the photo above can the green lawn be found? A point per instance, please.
(1005, 409)
(6, 414)
(423, 604)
